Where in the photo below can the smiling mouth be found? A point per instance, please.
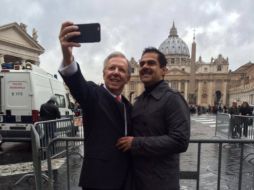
(115, 80)
(146, 72)
(146, 75)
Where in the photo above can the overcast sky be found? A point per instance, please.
(222, 27)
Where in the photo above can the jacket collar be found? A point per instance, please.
(158, 91)
(104, 86)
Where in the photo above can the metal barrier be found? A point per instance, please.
(67, 141)
(184, 174)
(49, 130)
(42, 133)
(234, 126)
(36, 154)
(195, 175)
(242, 126)
(50, 144)
(222, 127)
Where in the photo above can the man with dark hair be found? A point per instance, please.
(161, 128)
(161, 57)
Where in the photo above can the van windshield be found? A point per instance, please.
(60, 101)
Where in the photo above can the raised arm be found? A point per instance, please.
(67, 31)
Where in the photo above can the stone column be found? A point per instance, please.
(1, 59)
(186, 90)
(23, 62)
(199, 93)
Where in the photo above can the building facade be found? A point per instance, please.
(17, 46)
(200, 83)
(241, 86)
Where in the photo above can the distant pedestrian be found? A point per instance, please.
(235, 123)
(1, 141)
(50, 110)
(77, 109)
(225, 109)
(245, 110)
(199, 110)
(233, 110)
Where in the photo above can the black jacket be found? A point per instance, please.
(49, 111)
(161, 126)
(104, 166)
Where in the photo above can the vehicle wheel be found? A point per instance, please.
(1, 139)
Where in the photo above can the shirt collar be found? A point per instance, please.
(111, 92)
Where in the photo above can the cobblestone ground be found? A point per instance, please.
(209, 167)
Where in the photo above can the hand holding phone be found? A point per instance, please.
(88, 33)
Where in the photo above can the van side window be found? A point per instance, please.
(61, 101)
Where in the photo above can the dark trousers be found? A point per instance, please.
(127, 186)
(245, 128)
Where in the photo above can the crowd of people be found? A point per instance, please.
(243, 109)
(197, 109)
(240, 120)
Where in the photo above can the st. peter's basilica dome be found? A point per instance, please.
(174, 45)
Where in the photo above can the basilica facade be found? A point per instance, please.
(200, 83)
(241, 85)
(18, 46)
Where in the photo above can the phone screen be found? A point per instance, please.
(89, 33)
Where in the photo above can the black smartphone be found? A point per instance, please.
(88, 33)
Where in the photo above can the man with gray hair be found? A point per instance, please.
(106, 114)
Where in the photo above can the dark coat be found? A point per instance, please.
(104, 166)
(245, 110)
(233, 110)
(161, 126)
(49, 111)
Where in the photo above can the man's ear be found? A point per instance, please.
(128, 78)
(164, 71)
(103, 74)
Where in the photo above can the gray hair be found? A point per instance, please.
(117, 54)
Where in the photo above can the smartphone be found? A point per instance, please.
(88, 33)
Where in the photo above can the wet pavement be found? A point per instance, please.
(209, 161)
(209, 166)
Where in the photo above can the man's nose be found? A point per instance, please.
(145, 65)
(148, 63)
(116, 70)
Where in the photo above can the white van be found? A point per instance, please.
(22, 92)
